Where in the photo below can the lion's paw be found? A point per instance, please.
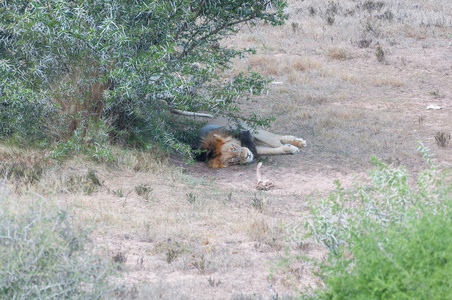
(290, 149)
(299, 143)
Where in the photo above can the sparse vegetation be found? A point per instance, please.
(258, 230)
(191, 198)
(436, 94)
(21, 172)
(385, 239)
(172, 250)
(45, 255)
(119, 192)
(200, 263)
(380, 54)
(120, 259)
(259, 202)
(214, 282)
(337, 53)
(171, 255)
(364, 42)
(421, 120)
(144, 191)
(442, 138)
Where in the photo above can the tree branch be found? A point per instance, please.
(191, 113)
(184, 26)
(216, 31)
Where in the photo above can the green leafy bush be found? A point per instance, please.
(387, 200)
(24, 114)
(44, 256)
(412, 260)
(66, 63)
(388, 239)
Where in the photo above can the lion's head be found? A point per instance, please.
(223, 150)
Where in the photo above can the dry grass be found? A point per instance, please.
(442, 138)
(338, 53)
(31, 170)
(359, 58)
(187, 231)
(392, 81)
(341, 74)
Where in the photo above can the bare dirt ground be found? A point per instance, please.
(332, 87)
(353, 78)
(301, 180)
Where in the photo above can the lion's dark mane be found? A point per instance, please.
(207, 149)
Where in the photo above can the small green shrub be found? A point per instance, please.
(144, 191)
(23, 113)
(410, 261)
(44, 256)
(387, 239)
(384, 202)
(119, 192)
(191, 198)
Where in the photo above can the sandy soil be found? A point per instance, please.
(296, 180)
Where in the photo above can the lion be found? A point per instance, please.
(220, 147)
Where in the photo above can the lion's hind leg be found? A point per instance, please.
(265, 138)
(289, 139)
(268, 139)
(270, 143)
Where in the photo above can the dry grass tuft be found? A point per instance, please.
(343, 74)
(259, 230)
(299, 65)
(200, 263)
(389, 80)
(380, 54)
(277, 66)
(316, 100)
(338, 53)
(265, 64)
(364, 42)
(442, 139)
(120, 259)
(259, 202)
(297, 77)
(151, 160)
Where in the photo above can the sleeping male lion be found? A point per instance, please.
(220, 148)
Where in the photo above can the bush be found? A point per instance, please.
(43, 255)
(23, 114)
(410, 261)
(93, 142)
(389, 239)
(128, 63)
